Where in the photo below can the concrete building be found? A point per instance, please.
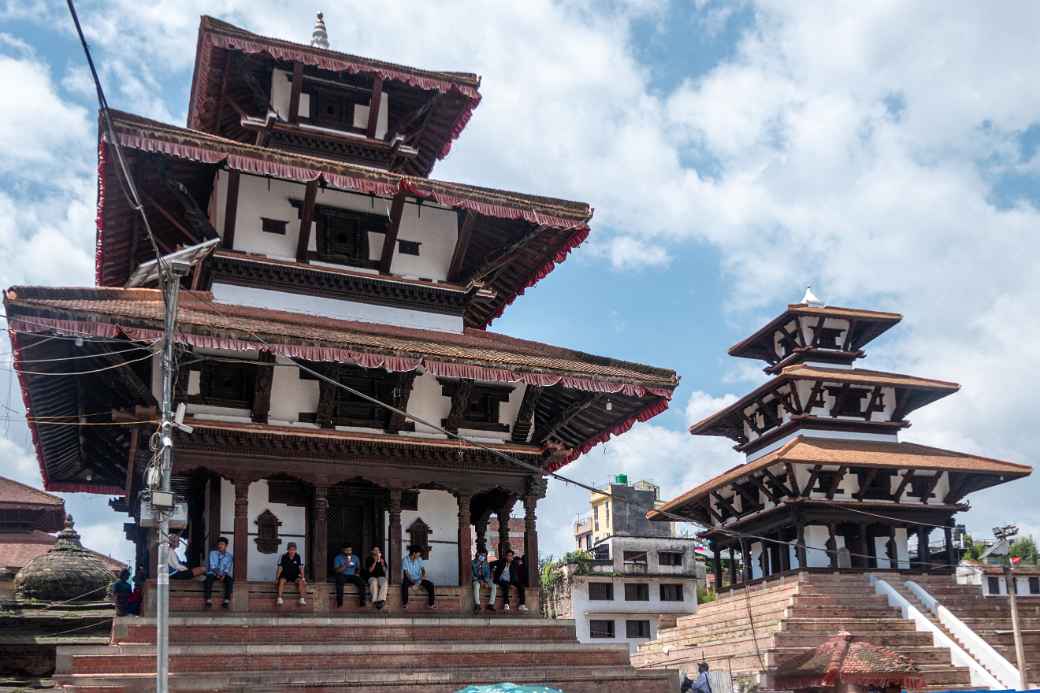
(641, 576)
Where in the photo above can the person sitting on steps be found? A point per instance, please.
(413, 572)
(290, 569)
(177, 567)
(506, 574)
(482, 576)
(347, 568)
(377, 571)
(218, 569)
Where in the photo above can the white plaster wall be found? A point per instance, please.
(433, 226)
(293, 527)
(440, 511)
(428, 403)
(816, 546)
(291, 395)
(815, 433)
(756, 553)
(281, 94)
(336, 308)
(902, 549)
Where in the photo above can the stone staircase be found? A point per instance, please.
(753, 633)
(990, 618)
(379, 653)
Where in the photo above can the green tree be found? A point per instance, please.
(1025, 548)
(973, 550)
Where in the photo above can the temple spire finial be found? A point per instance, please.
(810, 298)
(320, 37)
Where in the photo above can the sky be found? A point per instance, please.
(885, 153)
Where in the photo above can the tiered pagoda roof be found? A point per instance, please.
(514, 240)
(230, 97)
(636, 392)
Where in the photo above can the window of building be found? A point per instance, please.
(334, 108)
(482, 410)
(919, 486)
(601, 629)
(751, 489)
(825, 480)
(637, 629)
(673, 558)
(993, 585)
(226, 385)
(847, 401)
(276, 226)
(1034, 585)
(879, 486)
(637, 592)
(407, 247)
(347, 409)
(341, 235)
(601, 591)
(635, 561)
(671, 593)
(601, 552)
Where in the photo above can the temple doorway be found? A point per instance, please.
(355, 517)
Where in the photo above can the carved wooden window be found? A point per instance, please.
(829, 337)
(335, 107)
(850, 403)
(407, 247)
(921, 485)
(825, 480)
(267, 540)
(277, 226)
(349, 409)
(879, 485)
(482, 410)
(751, 489)
(419, 535)
(226, 385)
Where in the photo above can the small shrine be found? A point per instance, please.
(826, 482)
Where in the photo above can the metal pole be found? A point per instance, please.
(1020, 655)
(170, 280)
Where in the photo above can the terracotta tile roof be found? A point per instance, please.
(13, 493)
(853, 376)
(198, 313)
(883, 321)
(826, 451)
(844, 658)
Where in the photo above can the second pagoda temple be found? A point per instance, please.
(826, 482)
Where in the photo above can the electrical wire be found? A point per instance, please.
(83, 356)
(87, 372)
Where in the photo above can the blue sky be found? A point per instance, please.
(886, 153)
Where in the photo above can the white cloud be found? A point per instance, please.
(627, 253)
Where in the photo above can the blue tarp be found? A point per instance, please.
(508, 688)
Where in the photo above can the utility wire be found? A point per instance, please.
(124, 364)
(126, 182)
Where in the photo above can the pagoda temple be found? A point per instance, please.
(827, 483)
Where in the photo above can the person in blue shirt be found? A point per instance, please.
(218, 569)
(414, 573)
(482, 576)
(347, 568)
(121, 590)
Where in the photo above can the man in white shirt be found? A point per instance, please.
(176, 566)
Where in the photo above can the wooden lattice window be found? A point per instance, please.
(419, 536)
(847, 401)
(878, 484)
(226, 385)
(483, 407)
(267, 539)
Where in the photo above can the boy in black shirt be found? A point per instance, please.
(290, 569)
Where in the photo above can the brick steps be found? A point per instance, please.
(384, 653)
(281, 656)
(200, 629)
(393, 680)
(795, 616)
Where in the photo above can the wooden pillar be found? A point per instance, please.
(922, 548)
(832, 544)
(732, 566)
(503, 528)
(320, 538)
(717, 552)
(241, 555)
(746, 550)
(465, 565)
(864, 558)
(394, 549)
(531, 540)
(481, 529)
(785, 557)
(951, 551)
(871, 548)
(891, 550)
(230, 211)
(800, 549)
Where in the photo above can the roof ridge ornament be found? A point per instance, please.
(320, 36)
(810, 299)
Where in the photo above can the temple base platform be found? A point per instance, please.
(432, 653)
